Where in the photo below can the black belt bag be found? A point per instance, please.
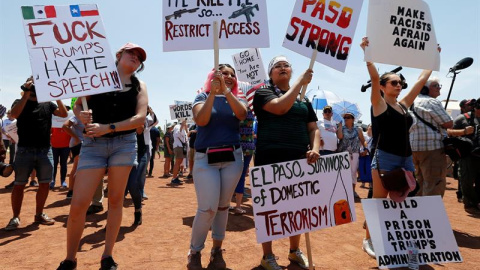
(220, 154)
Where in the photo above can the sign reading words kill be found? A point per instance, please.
(331, 23)
(422, 220)
(249, 67)
(295, 197)
(69, 52)
(188, 24)
(181, 110)
(401, 33)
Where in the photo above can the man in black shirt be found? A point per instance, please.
(34, 121)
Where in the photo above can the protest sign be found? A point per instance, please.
(181, 110)
(294, 197)
(401, 33)
(11, 130)
(331, 23)
(249, 67)
(57, 122)
(187, 24)
(419, 219)
(69, 52)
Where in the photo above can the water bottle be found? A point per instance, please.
(412, 255)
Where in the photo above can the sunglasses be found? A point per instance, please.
(395, 83)
(347, 117)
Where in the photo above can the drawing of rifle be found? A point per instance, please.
(245, 10)
(178, 13)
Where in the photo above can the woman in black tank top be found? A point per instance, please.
(392, 122)
(109, 144)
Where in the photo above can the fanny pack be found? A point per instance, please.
(220, 154)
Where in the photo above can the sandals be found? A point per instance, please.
(238, 211)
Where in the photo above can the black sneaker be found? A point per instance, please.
(69, 194)
(67, 265)
(93, 209)
(138, 218)
(176, 181)
(108, 264)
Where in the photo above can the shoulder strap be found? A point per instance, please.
(425, 122)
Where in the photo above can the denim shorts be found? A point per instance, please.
(104, 152)
(390, 162)
(29, 158)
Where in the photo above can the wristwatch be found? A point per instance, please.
(112, 128)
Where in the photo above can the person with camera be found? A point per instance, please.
(468, 125)
(390, 124)
(34, 121)
(426, 140)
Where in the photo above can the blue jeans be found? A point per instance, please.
(29, 158)
(241, 183)
(214, 186)
(134, 184)
(62, 155)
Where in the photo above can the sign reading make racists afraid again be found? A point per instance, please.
(331, 23)
(401, 33)
(188, 24)
(69, 52)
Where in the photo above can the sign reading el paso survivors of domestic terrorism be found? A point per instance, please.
(422, 220)
(181, 110)
(188, 24)
(294, 197)
(401, 33)
(69, 52)
(249, 66)
(331, 23)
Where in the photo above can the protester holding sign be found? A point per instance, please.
(218, 160)
(391, 120)
(109, 143)
(287, 130)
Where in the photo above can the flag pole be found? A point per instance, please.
(312, 62)
(215, 45)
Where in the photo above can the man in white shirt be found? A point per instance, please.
(7, 140)
(179, 139)
(328, 132)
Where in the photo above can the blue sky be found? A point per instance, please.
(177, 75)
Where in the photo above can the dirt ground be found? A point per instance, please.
(162, 241)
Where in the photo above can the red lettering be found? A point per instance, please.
(91, 32)
(32, 34)
(59, 37)
(74, 32)
(333, 6)
(307, 3)
(345, 17)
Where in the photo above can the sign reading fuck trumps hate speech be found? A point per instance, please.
(295, 197)
(188, 24)
(69, 52)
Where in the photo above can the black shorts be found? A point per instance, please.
(76, 150)
(277, 156)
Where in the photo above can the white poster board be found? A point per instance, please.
(57, 122)
(333, 23)
(11, 130)
(181, 110)
(69, 52)
(422, 219)
(401, 33)
(187, 24)
(249, 66)
(294, 197)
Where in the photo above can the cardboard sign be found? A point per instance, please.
(11, 130)
(331, 23)
(69, 52)
(249, 66)
(294, 197)
(401, 33)
(181, 110)
(187, 24)
(57, 122)
(421, 219)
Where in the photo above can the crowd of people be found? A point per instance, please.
(116, 136)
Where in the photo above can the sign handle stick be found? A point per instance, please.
(309, 250)
(215, 44)
(312, 62)
(84, 104)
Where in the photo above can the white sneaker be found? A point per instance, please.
(368, 247)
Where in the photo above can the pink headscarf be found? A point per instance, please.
(211, 75)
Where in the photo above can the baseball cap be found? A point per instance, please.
(327, 108)
(399, 196)
(131, 46)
